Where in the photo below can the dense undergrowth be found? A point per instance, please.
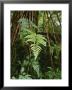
(36, 45)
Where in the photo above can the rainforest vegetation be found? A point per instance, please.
(35, 44)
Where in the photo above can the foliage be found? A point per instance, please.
(25, 76)
(53, 74)
(31, 37)
(36, 52)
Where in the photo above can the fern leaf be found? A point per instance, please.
(30, 36)
(36, 50)
(41, 37)
(30, 40)
(41, 42)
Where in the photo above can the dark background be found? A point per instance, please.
(1, 38)
(37, 1)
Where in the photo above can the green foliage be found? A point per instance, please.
(53, 74)
(31, 54)
(35, 65)
(35, 40)
(36, 50)
(25, 76)
(24, 23)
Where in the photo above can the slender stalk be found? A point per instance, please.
(49, 45)
(15, 34)
(58, 18)
(53, 25)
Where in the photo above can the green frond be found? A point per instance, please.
(36, 50)
(29, 36)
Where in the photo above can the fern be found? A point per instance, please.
(36, 41)
(36, 50)
(41, 40)
(31, 37)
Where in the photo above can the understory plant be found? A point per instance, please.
(30, 48)
(35, 41)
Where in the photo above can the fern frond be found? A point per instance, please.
(41, 37)
(29, 36)
(36, 50)
(41, 41)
